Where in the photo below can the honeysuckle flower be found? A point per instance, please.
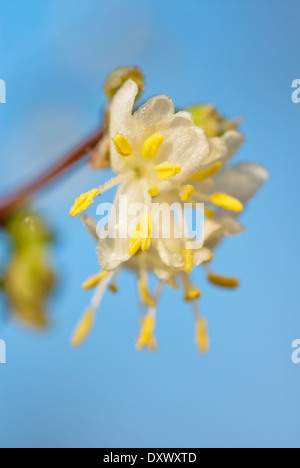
(154, 151)
(161, 155)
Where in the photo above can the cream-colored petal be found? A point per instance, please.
(91, 225)
(228, 227)
(218, 150)
(113, 251)
(223, 148)
(155, 111)
(186, 147)
(211, 227)
(167, 276)
(232, 140)
(201, 255)
(121, 122)
(170, 253)
(240, 181)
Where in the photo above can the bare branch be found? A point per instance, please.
(14, 200)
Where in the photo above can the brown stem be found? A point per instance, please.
(11, 202)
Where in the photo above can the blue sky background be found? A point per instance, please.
(243, 57)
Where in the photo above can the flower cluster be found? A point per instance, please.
(170, 157)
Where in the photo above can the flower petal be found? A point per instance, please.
(154, 111)
(112, 250)
(187, 147)
(240, 181)
(121, 121)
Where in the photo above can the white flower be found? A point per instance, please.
(162, 155)
(153, 136)
(154, 151)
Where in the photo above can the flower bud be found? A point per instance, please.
(213, 123)
(117, 77)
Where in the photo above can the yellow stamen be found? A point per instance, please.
(167, 170)
(83, 328)
(134, 244)
(122, 145)
(152, 345)
(153, 191)
(188, 259)
(209, 213)
(152, 145)
(83, 202)
(113, 288)
(145, 294)
(208, 172)
(227, 202)
(94, 280)
(192, 293)
(202, 339)
(146, 231)
(186, 191)
(142, 236)
(223, 281)
(146, 333)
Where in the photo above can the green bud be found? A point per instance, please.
(24, 227)
(117, 77)
(29, 278)
(213, 123)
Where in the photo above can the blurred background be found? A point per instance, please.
(242, 57)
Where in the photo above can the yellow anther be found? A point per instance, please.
(202, 339)
(192, 293)
(167, 170)
(134, 244)
(113, 288)
(223, 281)
(152, 345)
(146, 231)
(209, 213)
(227, 202)
(153, 191)
(83, 202)
(208, 172)
(94, 280)
(188, 259)
(122, 145)
(145, 294)
(142, 236)
(146, 333)
(83, 328)
(152, 145)
(186, 191)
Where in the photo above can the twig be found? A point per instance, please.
(13, 201)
